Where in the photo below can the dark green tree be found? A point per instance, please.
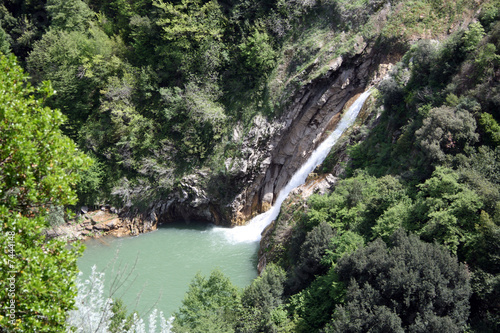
(411, 286)
(491, 129)
(309, 263)
(4, 41)
(211, 305)
(79, 64)
(446, 130)
(69, 15)
(263, 302)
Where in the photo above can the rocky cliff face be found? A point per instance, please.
(276, 237)
(272, 151)
(314, 111)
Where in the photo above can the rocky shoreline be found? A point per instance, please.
(91, 224)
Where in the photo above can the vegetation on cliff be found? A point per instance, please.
(409, 238)
(425, 163)
(152, 90)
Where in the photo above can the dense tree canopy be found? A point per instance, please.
(152, 90)
(39, 166)
(411, 286)
(39, 169)
(210, 305)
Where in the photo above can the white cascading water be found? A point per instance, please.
(251, 232)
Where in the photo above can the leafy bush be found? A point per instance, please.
(410, 286)
(211, 305)
(446, 130)
(263, 302)
(447, 209)
(69, 15)
(258, 53)
(491, 128)
(312, 250)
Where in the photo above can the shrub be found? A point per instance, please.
(410, 286)
(446, 130)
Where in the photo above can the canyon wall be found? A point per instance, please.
(272, 151)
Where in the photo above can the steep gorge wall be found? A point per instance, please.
(272, 151)
(314, 111)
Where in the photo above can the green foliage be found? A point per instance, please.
(39, 169)
(23, 22)
(416, 18)
(421, 60)
(357, 203)
(472, 37)
(69, 15)
(78, 64)
(411, 286)
(309, 263)
(39, 166)
(190, 21)
(4, 41)
(341, 245)
(41, 272)
(484, 248)
(446, 130)
(489, 13)
(315, 304)
(91, 183)
(153, 89)
(394, 218)
(210, 305)
(263, 301)
(449, 208)
(491, 128)
(392, 92)
(266, 291)
(193, 30)
(258, 53)
(121, 319)
(198, 121)
(486, 61)
(485, 301)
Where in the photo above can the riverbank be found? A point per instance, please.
(91, 224)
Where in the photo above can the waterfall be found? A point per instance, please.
(251, 232)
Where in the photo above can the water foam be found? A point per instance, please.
(251, 232)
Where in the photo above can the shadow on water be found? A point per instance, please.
(188, 225)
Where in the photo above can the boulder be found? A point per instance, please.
(102, 227)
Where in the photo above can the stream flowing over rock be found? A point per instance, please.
(272, 151)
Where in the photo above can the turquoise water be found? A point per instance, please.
(157, 267)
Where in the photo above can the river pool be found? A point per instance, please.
(157, 267)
